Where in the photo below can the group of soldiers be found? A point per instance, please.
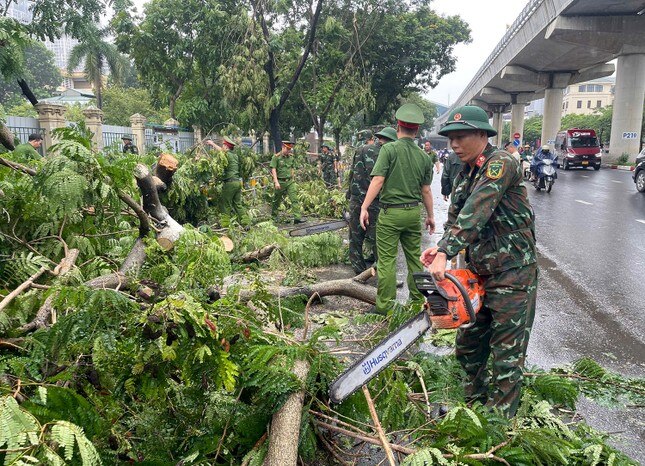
(489, 216)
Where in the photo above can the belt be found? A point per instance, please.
(399, 206)
(232, 179)
(284, 179)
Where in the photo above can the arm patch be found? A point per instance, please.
(495, 169)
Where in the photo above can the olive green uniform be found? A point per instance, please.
(490, 216)
(406, 168)
(284, 166)
(231, 202)
(25, 152)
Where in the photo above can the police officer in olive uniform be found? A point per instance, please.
(128, 146)
(490, 215)
(231, 201)
(27, 151)
(402, 174)
(359, 181)
(282, 172)
(329, 161)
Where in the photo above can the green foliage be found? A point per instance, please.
(120, 103)
(318, 200)
(40, 72)
(29, 442)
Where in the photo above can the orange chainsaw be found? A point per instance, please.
(450, 303)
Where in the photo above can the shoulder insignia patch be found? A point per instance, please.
(495, 169)
(480, 161)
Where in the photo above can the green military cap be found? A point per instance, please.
(230, 142)
(128, 137)
(388, 132)
(468, 117)
(365, 134)
(410, 115)
(288, 143)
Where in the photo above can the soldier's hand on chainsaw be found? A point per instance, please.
(438, 266)
(365, 218)
(428, 256)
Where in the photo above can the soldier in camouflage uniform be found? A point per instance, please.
(329, 161)
(451, 168)
(490, 215)
(359, 180)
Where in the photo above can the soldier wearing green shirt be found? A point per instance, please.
(282, 172)
(427, 147)
(231, 200)
(490, 215)
(24, 153)
(402, 174)
(128, 146)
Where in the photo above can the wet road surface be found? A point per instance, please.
(591, 297)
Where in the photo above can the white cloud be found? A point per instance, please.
(488, 21)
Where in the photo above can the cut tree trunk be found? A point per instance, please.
(164, 171)
(6, 137)
(172, 230)
(260, 254)
(285, 425)
(350, 287)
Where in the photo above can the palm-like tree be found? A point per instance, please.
(97, 53)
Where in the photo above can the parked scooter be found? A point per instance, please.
(546, 175)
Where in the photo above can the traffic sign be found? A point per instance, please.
(516, 136)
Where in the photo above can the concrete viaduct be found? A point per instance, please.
(555, 43)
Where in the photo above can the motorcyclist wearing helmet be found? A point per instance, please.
(543, 153)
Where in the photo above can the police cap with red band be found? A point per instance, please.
(409, 116)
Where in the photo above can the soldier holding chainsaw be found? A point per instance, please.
(490, 215)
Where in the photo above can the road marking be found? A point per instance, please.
(616, 181)
(583, 202)
(585, 176)
(641, 221)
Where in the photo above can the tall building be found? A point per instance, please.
(585, 98)
(19, 10)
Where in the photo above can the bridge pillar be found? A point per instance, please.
(552, 115)
(497, 116)
(517, 120)
(627, 118)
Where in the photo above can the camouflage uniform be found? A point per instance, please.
(451, 167)
(490, 215)
(330, 177)
(359, 181)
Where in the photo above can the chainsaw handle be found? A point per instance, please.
(467, 301)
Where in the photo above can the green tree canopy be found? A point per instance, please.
(120, 103)
(40, 72)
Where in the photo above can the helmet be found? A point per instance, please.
(365, 134)
(546, 148)
(230, 142)
(468, 117)
(527, 146)
(388, 132)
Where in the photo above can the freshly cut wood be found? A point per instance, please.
(165, 169)
(6, 137)
(227, 242)
(285, 425)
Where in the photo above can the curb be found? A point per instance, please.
(619, 167)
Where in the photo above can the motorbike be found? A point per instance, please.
(526, 169)
(546, 175)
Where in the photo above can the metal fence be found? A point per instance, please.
(23, 132)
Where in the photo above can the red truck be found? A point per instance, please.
(577, 147)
